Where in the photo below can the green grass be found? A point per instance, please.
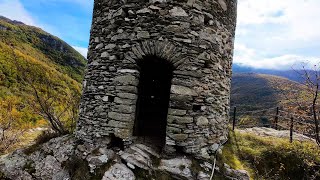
(272, 158)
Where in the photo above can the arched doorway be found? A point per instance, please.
(153, 100)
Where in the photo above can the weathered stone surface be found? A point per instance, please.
(179, 137)
(105, 54)
(127, 80)
(144, 11)
(143, 35)
(110, 46)
(223, 4)
(127, 96)
(159, 1)
(120, 116)
(180, 120)
(124, 101)
(177, 112)
(139, 155)
(119, 171)
(181, 90)
(178, 166)
(124, 109)
(269, 132)
(47, 168)
(236, 174)
(178, 11)
(202, 121)
(45, 162)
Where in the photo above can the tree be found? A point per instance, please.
(304, 102)
(312, 82)
(10, 129)
(52, 97)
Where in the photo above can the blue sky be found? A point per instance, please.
(273, 34)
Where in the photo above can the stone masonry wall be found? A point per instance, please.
(196, 36)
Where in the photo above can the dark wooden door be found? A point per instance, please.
(153, 97)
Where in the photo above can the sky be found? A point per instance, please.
(271, 34)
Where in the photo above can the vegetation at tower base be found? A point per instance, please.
(271, 157)
(46, 60)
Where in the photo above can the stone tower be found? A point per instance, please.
(159, 72)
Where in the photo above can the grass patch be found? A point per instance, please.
(272, 158)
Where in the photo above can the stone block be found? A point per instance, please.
(124, 109)
(124, 101)
(177, 112)
(182, 90)
(180, 120)
(127, 80)
(179, 137)
(127, 96)
(120, 116)
(202, 121)
(178, 11)
(143, 35)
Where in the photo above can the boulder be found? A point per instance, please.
(119, 171)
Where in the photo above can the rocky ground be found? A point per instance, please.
(66, 158)
(269, 132)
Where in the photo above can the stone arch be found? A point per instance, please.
(162, 49)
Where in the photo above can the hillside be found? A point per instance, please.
(51, 66)
(34, 42)
(250, 91)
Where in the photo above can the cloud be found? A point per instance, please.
(276, 34)
(83, 51)
(250, 57)
(13, 9)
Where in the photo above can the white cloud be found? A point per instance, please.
(276, 34)
(13, 9)
(83, 51)
(250, 57)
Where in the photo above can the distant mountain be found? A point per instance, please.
(49, 60)
(251, 91)
(35, 42)
(294, 75)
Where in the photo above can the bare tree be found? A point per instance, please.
(304, 102)
(312, 83)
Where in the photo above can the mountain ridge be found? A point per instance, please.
(294, 75)
(58, 52)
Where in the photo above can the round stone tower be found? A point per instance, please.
(159, 72)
